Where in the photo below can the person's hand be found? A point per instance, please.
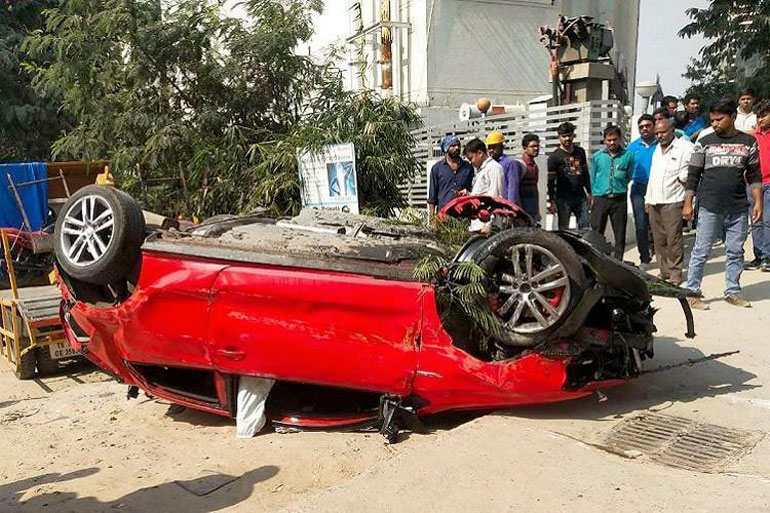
(462, 192)
(687, 212)
(647, 208)
(757, 212)
(551, 207)
(486, 230)
(590, 200)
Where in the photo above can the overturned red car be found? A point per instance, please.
(328, 305)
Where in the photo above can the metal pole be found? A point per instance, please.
(9, 263)
(386, 47)
(18, 201)
(64, 182)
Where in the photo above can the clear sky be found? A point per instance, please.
(661, 51)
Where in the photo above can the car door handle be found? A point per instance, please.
(232, 354)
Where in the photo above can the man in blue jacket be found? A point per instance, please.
(611, 171)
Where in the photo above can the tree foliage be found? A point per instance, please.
(378, 127)
(28, 123)
(202, 112)
(739, 47)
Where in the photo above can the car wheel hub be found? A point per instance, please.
(534, 289)
(87, 231)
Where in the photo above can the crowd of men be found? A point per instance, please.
(679, 172)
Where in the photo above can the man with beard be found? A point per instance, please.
(450, 177)
(511, 168)
(489, 179)
(569, 183)
(643, 149)
(670, 103)
(530, 198)
(611, 171)
(723, 162)
(695, 123)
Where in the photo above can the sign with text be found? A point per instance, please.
(328, 179)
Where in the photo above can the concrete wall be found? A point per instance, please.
(495, 46)
(456, 51)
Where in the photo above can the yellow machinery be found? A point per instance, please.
(31, 334)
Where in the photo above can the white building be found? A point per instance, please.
(449, 52)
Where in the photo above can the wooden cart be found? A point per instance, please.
(31, 333)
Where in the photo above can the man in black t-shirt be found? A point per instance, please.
(723, 162)
(569, 184)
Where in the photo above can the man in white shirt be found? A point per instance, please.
(664, 199)
(489, 179)
(745, 119)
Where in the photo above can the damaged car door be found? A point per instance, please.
(319, 327)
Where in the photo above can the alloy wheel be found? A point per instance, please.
(87, 231)
(533, 289)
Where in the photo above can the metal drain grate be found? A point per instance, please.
(681, 442)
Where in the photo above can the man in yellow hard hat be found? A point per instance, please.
(512, 170)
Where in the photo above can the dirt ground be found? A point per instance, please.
(73, 443)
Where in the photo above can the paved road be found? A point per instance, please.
(73, 443)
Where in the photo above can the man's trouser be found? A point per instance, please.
(612, 208)
(641, 221)
(711, 226)
(566, 207)
(666, 220)
(760, 231)
(530, 202)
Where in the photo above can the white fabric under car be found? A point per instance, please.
(252, 396)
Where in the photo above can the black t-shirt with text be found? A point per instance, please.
(724, 166)
(568, 176)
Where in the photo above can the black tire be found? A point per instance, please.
(45, 364)
(124, 236)
(548, 250)
(26, 369)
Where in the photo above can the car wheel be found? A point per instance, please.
(535, 281)
(98, 235)
(45, 364)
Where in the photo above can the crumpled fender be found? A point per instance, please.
(612, 272)
(483, 207)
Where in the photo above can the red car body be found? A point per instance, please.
(200, 313)
(324, 328)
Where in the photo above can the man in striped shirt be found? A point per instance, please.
(723, 163)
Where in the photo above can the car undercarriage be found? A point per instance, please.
(330, 305)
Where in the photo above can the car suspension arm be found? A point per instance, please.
(688, 315)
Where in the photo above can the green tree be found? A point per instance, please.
(28, 123)
(380, 130)
(738, 49)
(196, 110)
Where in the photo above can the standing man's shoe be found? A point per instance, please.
(753, 265)
(765, 265)
(697, 303)
(738, 300)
